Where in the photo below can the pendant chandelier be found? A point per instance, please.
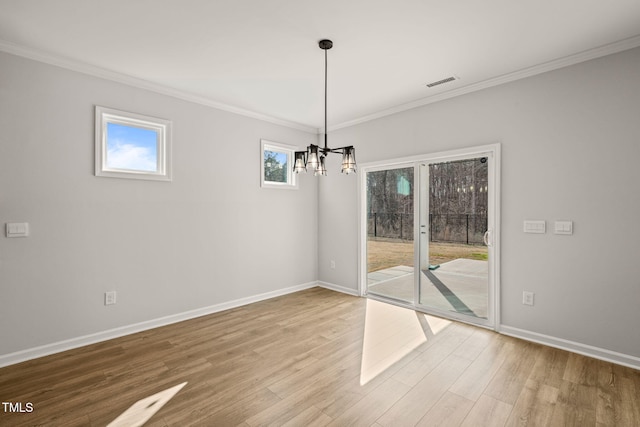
(314, 156)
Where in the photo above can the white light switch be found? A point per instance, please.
(17, 229)
(563, 227)
(537, 227)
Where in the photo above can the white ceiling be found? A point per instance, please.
(261, 58)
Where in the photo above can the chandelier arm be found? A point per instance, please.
(339, 150)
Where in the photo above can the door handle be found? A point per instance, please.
(486, 238)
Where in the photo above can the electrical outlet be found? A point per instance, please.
(110, 298)
(527, 298)
(333, 264)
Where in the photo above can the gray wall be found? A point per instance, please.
(209, 237)
(570, 150)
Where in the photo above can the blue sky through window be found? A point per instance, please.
(132, 148)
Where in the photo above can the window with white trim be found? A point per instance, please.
(276, 169)
(130, 145)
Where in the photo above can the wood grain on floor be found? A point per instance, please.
(316, 358)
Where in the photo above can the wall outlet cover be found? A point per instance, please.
(110, 298)
(527, 298)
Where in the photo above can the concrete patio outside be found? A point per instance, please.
(459, 285)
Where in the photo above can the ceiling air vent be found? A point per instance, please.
(443, 81)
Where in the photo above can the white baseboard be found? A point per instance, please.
(574, 347)
(339, 288)
(57, 347)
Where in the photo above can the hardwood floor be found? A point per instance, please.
(318, 358)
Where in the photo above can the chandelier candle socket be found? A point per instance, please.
(314, 156)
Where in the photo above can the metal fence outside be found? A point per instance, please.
(450, 228)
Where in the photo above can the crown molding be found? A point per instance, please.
(92, 70)
(106, 74)
(566, 61)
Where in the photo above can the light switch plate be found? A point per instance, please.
(17, 229)
(563, 227)
(535, 226)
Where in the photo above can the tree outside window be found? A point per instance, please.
(276, 171)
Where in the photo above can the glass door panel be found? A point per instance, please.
(454, 256)
(390, 234)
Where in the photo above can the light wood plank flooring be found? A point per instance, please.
(300, 360)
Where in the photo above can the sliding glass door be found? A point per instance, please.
(390, 220)
(454, 238)
(430, 234)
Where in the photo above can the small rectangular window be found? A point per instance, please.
(130, 145)
(277, 166)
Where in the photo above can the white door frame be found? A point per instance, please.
(491, 150)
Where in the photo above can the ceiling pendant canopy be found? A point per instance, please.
(314, 156)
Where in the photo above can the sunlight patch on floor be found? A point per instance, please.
(141, 411)
(390, 333)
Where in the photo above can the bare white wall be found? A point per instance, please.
(211, 236)
(570, 150)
